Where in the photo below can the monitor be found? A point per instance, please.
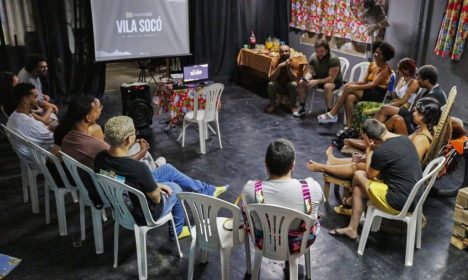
(195, 73)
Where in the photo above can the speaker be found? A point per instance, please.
(136, 103)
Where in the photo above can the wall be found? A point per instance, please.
(408, 42)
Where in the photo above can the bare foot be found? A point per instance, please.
(270, 109)
(331, 159)
(315, 166)
(344, 232)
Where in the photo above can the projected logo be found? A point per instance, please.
(146, 24)
(195, 73)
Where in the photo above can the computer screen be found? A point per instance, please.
(195, 73)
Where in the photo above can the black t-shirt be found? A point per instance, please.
(135, 174)
(399, 166)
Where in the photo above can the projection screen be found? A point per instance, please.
(132, 29)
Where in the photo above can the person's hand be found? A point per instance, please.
(54, 108)
(348, 87)
(144, 146)
(312, 83)
(46, 97)
(165, 189)
(370, 145)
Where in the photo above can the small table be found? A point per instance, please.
(177, 102)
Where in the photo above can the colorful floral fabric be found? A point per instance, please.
(329, 17)
(176, 102)
(453, 30)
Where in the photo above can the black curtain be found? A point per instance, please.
(219, 28)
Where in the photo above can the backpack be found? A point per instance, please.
(341, 135)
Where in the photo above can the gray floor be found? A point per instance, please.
(246, 132)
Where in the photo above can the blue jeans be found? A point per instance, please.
(172, 204)
(168, 173)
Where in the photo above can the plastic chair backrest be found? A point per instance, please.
(440, 130)
(16, 139)
(344, 66)
(362, 68)
(429, 176)
(114, 191)
(275, 224)
(212, 95)
(75, 167)
(205, 211)
(41, 156)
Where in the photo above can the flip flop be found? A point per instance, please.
(335, 233)
(343, 210)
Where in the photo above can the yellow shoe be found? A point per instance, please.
(184, 233)
(220, 190)
(343, 210)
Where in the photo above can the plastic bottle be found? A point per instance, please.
(268, 42)
(252, 40)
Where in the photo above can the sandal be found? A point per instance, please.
(343, 210)
(327, 118)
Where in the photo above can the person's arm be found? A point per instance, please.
(371, 172)
(274, 71)
(144, 147)
(44, 118)
(384, 73)
(333, 72)
(413, 88)
(45, 104)
(95, 131)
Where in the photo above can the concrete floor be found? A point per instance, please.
(246, 132)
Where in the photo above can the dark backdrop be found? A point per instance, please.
(218, 29)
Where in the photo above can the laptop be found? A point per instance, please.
(195, 74)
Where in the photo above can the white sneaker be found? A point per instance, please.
(160, 161)
(327, 118)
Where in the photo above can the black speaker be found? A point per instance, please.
(136, 103)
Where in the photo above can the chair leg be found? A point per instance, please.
(82, 220)
(225, 263)
(419, 230)
(193, 251)
(24, 183)
(219, 133)
(248, 261)
(410, 236)
(293, 267)
(365, 231)
(205, 125)
(97, 230)
(257, 264)
(307, 264)
(376, 224)
(61, 215)
(176, 239)
(32, 181)
(116, 243)
(201, 134)
(74, 196)
(47, 203)
(140, 239)
(184, 127)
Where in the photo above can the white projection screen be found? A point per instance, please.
(132, 29)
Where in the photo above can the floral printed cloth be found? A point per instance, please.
(453, 30)
(176, 102)
(329, 17)
(7, 264)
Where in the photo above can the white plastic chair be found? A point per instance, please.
(210, 235)
(275, 224)
(75, 169)
(413, 220)
(114, 190)
(212, 94)
(28, 172)
(344, 65)
(41, 157)
(361, 69)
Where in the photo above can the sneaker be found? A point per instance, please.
(298, 113)
(219, 190)
(184, 233)
(160, 161)
(327, 118)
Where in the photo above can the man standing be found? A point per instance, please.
(283, 77)
(394, 160)
(324, 73)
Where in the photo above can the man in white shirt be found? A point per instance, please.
(21, 121)
(280, 188)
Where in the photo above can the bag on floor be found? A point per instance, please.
(338, 140)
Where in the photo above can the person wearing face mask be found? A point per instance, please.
(36, 66)
(324, 73)
(283, 77)
(372, 88)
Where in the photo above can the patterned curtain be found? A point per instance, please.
(329, 17)
(453, 30)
